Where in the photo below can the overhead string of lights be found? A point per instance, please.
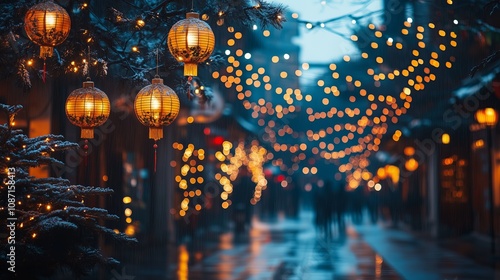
(382, 109)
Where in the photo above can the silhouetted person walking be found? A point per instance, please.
(339, 204)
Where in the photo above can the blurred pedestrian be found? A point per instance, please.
(241, 208)
(339, 205)
(322, 209)
(373, 205)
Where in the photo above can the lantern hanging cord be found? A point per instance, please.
(44, 77)
(192, 5)
(157, 55)
(44, 68)
(155, 146)
(88, 63)
(188, 82)
(86, 149)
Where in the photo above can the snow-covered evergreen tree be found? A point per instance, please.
(47, 227)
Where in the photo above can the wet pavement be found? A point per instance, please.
(293, 249)
(420, 259)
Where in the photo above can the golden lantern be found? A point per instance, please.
(87, 107)
(155, 106)
(191, 41)
(47, 24)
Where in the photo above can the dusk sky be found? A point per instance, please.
(320, 45)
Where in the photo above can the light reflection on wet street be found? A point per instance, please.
(293, 249)
(282, 249)
(287, 249)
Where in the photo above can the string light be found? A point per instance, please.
(364, 128)
(140, 23)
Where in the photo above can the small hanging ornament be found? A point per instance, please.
(191, 41)
(87, 107)
(155, 106)
(47, 25)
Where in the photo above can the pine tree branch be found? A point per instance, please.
(112, 38)
(50, 210)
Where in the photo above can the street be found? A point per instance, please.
(293, 249)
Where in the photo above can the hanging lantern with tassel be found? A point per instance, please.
(191, 41)
(155, 106)
(87, 107)
(48, 25)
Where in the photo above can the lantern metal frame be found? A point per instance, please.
(87, 107)
(155, 106)
(47, 25)
(191, 41)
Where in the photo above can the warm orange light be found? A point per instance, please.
(479, 143)
(381, 173)
(48, 25)
(191, 41)
(487, 116)
(409, 151)
(411, 165)
(130, 230)
(87, 107)
(155, 106)
(140, 23)
(445, 138)
(393, 172)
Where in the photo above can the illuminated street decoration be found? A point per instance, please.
(236, 161)
(230, 160)
(190, 180)
(155, 106)
(256, 160)
(487, 116)
(191, 41)
(48, 25)
(411, 164)
(356, 129)
(87, 107)
(252, 158)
